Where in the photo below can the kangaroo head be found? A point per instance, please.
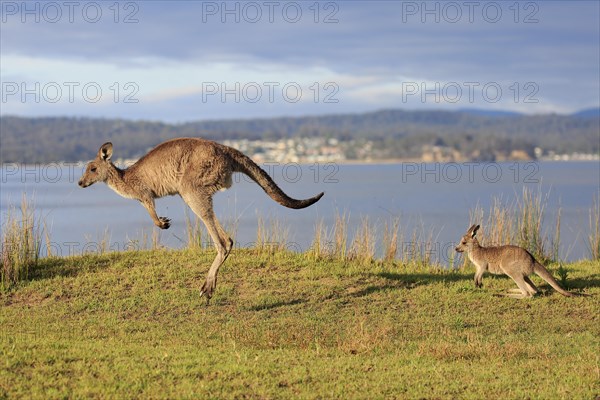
(467, 241)
(99, 168)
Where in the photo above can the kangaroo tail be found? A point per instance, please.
(543, 273)
(245, 165)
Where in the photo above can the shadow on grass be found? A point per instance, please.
(411, 280)
(590, 281)
(375, 289)
(400, 281)
(277, 304)
(52, 267)
(425, 278)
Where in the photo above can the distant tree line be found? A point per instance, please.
(394, 133)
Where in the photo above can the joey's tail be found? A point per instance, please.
(247, 166)
(547, 276)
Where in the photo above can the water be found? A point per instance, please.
(437, 197)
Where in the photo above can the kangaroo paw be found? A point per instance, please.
(165, 223)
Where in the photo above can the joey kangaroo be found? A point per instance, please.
(513, 261)
(194, 169)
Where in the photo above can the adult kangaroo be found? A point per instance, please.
(194, 169)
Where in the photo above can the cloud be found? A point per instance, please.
(170, 50)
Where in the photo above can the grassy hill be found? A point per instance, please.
(132, 325)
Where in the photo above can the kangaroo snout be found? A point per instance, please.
(82, 183)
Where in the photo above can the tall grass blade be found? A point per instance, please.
(21, 244)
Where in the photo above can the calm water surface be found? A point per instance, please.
(437, 197)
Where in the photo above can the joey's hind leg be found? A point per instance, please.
(202, 205)
(532, 288)
(524, 288)
(517, 295)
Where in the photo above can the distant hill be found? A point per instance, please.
(588, 113)
(393, 133)
(491, 113)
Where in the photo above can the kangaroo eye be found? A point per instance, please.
(93, 169)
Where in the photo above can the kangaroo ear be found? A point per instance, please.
(105, 152)
(472, 230)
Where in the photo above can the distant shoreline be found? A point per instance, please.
(123, 163)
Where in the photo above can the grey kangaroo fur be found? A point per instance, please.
(514, 261)
(195, 169)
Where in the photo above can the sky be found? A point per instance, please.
(179, 61)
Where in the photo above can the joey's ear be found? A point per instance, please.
(105, 152)
(472, 230)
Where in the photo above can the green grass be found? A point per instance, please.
(132, 325)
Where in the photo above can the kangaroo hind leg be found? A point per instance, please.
(526, 287)
(202, 205)
(533, 289)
